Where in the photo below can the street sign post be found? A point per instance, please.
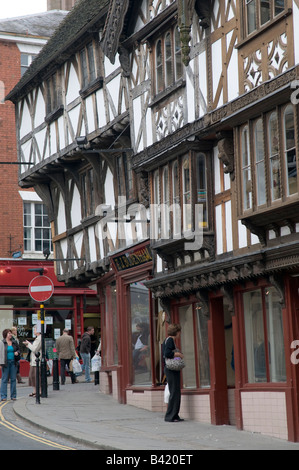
(41, 288)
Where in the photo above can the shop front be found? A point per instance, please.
(133, 330)
(67, 308)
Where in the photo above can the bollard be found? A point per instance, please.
(97, 377)
(55, 374)
(37, 385)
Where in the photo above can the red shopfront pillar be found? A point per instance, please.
(218, 392)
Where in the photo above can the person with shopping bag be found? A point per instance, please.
(66, 353)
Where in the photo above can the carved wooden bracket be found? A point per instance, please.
(226, 152)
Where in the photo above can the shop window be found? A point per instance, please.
(268, 158)
(37, 228)
(168, 60)
(260, 12)
(110, 338)
(194, 345)
(140, 334)
(264, 336)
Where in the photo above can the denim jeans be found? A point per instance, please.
(86, 365)
(9, 371)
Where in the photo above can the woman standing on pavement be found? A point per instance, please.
(173, 376)
(34, 348)
(9, 357)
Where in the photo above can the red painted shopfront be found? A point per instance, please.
(72, 308)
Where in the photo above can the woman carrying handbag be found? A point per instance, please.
(173, 376)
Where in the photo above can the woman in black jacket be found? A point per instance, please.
(173, 377)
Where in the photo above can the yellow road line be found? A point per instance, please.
(27, 434)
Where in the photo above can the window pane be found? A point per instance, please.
(265, 11)
(186, 195)
(290, 150)
(168, 60)
(140, 331)
(159, 68)
(251, 15)
(260, 165)
(203, 347)
(274, 157)
(187, 342)
(275, 337)
(246, 170)
(279, 6)
(254, 335)
(178, 55)
(202, 187)
(165, 206)
(176, 200)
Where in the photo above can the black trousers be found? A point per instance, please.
(63, 363)
(174, 383)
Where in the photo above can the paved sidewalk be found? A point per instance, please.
(81, 412)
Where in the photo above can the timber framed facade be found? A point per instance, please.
(168, 162)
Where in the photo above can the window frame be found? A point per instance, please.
(163, 62)
(181, 223)
(32, 227)
(257, 5)
(264, 332)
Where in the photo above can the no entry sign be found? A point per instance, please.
(41, 288)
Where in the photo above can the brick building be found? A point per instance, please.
(25, 229)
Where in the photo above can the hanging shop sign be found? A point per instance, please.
(131, 259)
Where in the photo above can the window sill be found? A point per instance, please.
(264, 28)
(91, 87)
(50, 117)
(169, 91)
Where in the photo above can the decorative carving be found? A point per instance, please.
(226, 153)
(259, 231)
(203, 9)
(113, 28)
(278, 283)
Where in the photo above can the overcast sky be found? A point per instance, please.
(11, 8)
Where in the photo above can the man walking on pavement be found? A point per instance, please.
(85, 351)
(66, 352)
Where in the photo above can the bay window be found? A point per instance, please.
(268, 160)
(178, 189)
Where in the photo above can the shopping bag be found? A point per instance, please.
(96, 363)
(77, 368)
(166, 393)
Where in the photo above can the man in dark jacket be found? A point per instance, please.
(85, 351)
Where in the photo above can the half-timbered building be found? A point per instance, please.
(162, 135)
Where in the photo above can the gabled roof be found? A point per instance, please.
(62, 44)
(40, 24)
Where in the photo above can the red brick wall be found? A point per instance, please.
(11, 205)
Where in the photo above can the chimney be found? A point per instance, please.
(60, 4)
